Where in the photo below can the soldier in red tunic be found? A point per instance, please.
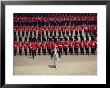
(26, 47)
(44, 48)
(60, 46)
(15, 47)
(20, 47)
(93, 47)
(14, 31)
(87, 46)
(77, 46)
(23, 31)
(27, 31)
(82, 46)
(71, 46)
(39, 46)
(59, 31)
(65, 47)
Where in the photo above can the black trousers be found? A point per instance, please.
(67, 33)
(80, 33)
(63, 33)
(71, 50)
(30, 51)
(39, 50)
(20, 52)
(25, 50)
(93, 51)
(76, 50)
(60, 49)
(76, 33)
(47, 34)
(44, 51)
(23, 34)
(15, 51)
(18, 33)
(71, 33)
(42, 34)
(49, 51)
(39, 35)
(51, 34)
(14, 34)
(26, 33)
(55, 34)
(33, 51)
(34, 33)
(59, 33)
(30, 33)
(82, 51)
(65, 51)
(87, 51)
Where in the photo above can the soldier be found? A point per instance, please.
(18, 31)
(71, 46)
(14, 31)
(15, 47)
(23, 31)
(82, 46)
(65, 47)
(39, 48)
(60, 45)
(77, 46)
(20, 47)
(44, 48)
(76, 31)
(93, 47)
(87, 46)
(72, 30)
(59, 31)
(25, 47)
(27, 31)
(33, 49)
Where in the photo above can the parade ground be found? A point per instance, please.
(67, 65)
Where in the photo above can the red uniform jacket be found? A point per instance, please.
(82, 45)
(77, 44)
(39, 46)
(27, 30)
(44, 46)
(71, 45)
(59, 30)
(15, 46)
(60, 45)
(20, 46)
(93, 45)
(14, 30)
(65, 45)
(25, 46)
(87, 44)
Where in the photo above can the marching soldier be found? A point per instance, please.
(82, 46)
(25, 47)
(76, 46)
(87, 46)
(60, 47)
(15, 47)
(93, 47)
(44, 48)
(27, 31)
(20, 47)
(65, 47)
(39, 48)
(71, 46)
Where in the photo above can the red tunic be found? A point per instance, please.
(25, 46)
(60, 45)
(71, 44)
(15, 46)
(77, 44)
(93, 45)
(82, 45)
(44, 46)
(39, 46)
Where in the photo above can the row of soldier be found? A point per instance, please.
(45, 47)
(54, 18)
(50, 31)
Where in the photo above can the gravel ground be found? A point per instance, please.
(67, 65)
